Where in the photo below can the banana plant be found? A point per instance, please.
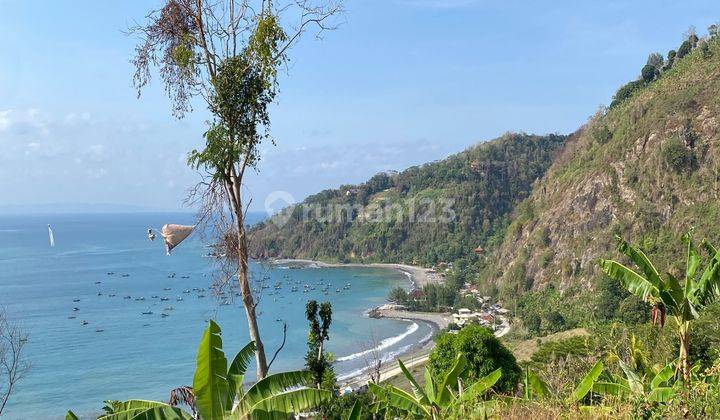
(218, 392)
(666, 294)
(438, 397)
(534, 386)
(657, 387)
(587, 382)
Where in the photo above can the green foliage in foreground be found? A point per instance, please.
(666, 294)
(440, 396)
(484, 354)
(218, 393)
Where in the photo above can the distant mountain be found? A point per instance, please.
(386, 218)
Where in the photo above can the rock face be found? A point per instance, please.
(647, 169)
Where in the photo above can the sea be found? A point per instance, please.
(109, 316)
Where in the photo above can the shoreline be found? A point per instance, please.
(419, 351)
(418, 276)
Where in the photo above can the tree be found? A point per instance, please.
(683, 302)
(218, 393)
(484, 353)
(648, 73)
(13, 365)
(398, 295)
(656, 60)
(684, 49)
(317, 360)
(226, 52)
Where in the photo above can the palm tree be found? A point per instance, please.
(667, 295)
(217, 391)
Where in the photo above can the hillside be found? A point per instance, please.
(646, 169)
(401, 217)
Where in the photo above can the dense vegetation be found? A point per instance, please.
(400, 217)
(644, 169)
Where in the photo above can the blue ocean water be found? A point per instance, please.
(121, 353)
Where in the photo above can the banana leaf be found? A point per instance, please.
(290, 402)
(145, 410)
(611, 388)
(236, 372)
(404, 401)
(663, 376)
(430, 389)
(634, 282)
(478, 388)
(276, 384)
(642, 261)
(210, 383)
(661, 394)
(444, 394)
(355, 412)
(537, 385)
(586, 384)
(636, 385)
(420, 395)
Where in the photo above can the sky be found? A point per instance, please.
(399, 83)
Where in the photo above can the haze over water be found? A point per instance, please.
(144, 356)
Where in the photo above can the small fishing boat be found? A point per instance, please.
(76, 309)
(167, 288)
(179, 299)
(164, 299)
(72, 317)
(128, 297)
(98, 282)
(99, 330)
(84, 323)
(165, 315)
(76, 300)
(126, 275)
(147, 313)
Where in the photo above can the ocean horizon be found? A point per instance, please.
(104, 273)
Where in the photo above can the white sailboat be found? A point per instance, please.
(52, 237)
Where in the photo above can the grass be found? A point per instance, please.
(523, 350)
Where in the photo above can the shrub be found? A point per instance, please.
(684, 49)
(601, 134)
(554, 322)
(677, 155)
(633, 311)
(648, 73)
(484, 352)
(626, 91)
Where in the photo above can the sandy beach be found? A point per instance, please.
(418, 277)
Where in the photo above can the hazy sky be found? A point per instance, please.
(402, 82)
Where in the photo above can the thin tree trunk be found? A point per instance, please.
(247, 297)
(684, 351)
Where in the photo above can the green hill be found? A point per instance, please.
(401, 217)
(646, 169)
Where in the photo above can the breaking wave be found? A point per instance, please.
(388, 342)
